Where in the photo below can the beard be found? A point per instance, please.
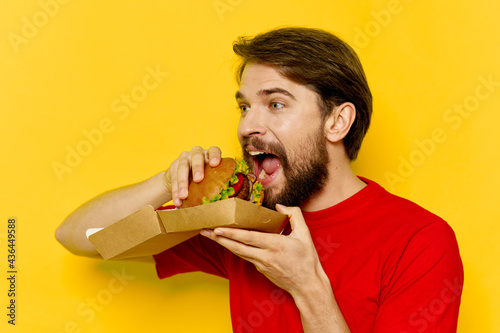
(304, 168)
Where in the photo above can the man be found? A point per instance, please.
(356, 258)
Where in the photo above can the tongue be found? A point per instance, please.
(271, 164)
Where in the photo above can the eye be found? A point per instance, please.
(243, 108)
(276, 105)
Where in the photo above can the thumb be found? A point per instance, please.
(297, 222)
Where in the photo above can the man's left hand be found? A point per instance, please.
(291, 262)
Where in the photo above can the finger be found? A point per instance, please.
(175, 195)
(171, 183)
(252, 238)
(242, 250)
(198, 163)
(181, 177)
(297, 222)
(214, 156)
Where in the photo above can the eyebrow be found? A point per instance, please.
(267, 92)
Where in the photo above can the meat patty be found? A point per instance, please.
(244, 192)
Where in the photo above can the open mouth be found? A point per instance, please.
(266, 165)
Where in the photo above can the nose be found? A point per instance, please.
(252, 123)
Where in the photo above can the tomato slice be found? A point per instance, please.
(237, 187)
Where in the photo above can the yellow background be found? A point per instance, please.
(65, 65)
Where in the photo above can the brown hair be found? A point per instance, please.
(321, 61)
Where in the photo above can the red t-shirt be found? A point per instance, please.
(393, 267)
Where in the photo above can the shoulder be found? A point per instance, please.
(401, 212)
(425, 239)
(406, 223)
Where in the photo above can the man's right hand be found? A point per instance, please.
(189, 164)
(114, 205)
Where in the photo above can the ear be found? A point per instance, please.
(339, 122)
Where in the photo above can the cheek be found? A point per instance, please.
(238, 132)
(290, 132)
(297, 123)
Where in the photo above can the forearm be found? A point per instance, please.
(108, 208)
(318, 308)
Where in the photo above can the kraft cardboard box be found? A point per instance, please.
(147, 232)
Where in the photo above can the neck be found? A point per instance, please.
(342, 183)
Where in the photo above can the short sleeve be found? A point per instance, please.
(196, 254)
(423, 294)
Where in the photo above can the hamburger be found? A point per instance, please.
(230, 179)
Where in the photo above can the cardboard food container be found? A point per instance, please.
(148, 232)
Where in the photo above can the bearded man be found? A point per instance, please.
(356, 258)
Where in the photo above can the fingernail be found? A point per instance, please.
(205, 233)
(197, 176)
(183, 193)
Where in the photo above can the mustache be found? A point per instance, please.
(271, 147)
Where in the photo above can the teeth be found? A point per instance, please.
(255, 153)
(262, 174)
